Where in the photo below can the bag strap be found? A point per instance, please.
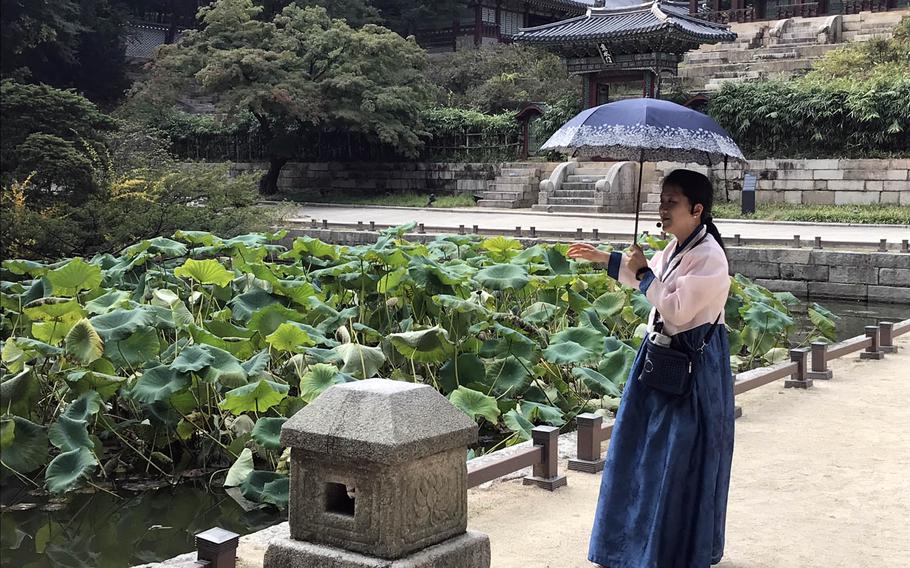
(707, 338)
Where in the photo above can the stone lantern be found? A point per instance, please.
(379, 479)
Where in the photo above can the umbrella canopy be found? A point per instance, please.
(645, 130)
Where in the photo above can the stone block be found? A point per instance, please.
(795, 287)
(853, 275)
(828, 174)
(856, 197)
(789, 255)
(469, 550)
(793, 197)
(795, 174)
(865, 174)
(818, 197)
(894, 277)
(896, 186)
(821, 164)
(864, 164)
(874, 185)
(838, 291)
(756, 269)
(892, 294)
(743, 254)
(846, 185)
(815, 272)
(898, 175)
(890, 197)
(900, 164)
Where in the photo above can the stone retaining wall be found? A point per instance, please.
(325, 178)
(821, 182)
(872, 276)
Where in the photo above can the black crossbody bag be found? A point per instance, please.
(667, 369)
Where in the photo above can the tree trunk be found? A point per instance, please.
(268, 185)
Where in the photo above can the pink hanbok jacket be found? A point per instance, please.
(695, 291)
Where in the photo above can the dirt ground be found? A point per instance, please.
(821, 478)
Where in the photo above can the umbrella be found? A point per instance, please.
(641, 130)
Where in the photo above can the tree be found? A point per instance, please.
(54, 136)
(299, 74)
(66, 44)
(500, 77)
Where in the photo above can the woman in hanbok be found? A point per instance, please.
(663, 495)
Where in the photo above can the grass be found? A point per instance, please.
(884, 214)
(402, 199)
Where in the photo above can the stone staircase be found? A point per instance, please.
(516, 186)
(784, 48)
(576, 195)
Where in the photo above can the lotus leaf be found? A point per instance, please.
(475, 404)
(360, 361)
(137, 349)
(430, 345)
(319, 377)
(501, 249)
(105, 384)
(120, 324)
(67, 469)
(107, 302)
(456, 304)
(616, 365)
(208, 271)
(568, 352)
(27, 450)
(587, 338)
(465, 369)
(224, 369)
(74, 276)
(241, 469)
(51, 308)
(640, 305)
(507, 376)
(13, 356)
(267, 432)
(823, 320)
(254, 397)
(556, 260)
(69, 434)
(609, 304)
(266, 320)
(539, 313)
(257, 364)
(53, 332)
(517, 423)
(158, 384)
(197, 237)
(83, 342)
(192, 359)
(596, 383)
(18, 392)
(503, 277)
(290, 338)
(535, 412)
(267, 487)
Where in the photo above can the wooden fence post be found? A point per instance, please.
(546, 473)
(588, 457)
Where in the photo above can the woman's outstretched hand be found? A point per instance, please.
(584, 251)
(636, 259)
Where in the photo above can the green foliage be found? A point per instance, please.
(501, 77)
(67, 44)
(885, 214)
(854, 103)
(298, 74)
(192, 351)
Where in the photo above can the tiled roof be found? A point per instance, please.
(621, 20)
(571, 6)
(142, 40)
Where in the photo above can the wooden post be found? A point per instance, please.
(546, 473)
(819, 369)
(872, 352)
(886, 337)
(799, 379)
(218, 547)
(588, 457)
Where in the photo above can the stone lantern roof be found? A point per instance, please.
(380, 421)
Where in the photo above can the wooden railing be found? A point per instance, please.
(726, 16)
(800, 10)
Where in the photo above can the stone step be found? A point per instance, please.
(585, 178)
(499, 203)
(570, 201)
(502, 195)
(517, 174)
(506, 184)
(593, 171)
(582, 194)
(568, 209)
(577, 186)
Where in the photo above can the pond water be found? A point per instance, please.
(99, 530)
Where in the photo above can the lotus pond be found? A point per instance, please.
(182, 357)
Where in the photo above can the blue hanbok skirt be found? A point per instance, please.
(663, 496)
